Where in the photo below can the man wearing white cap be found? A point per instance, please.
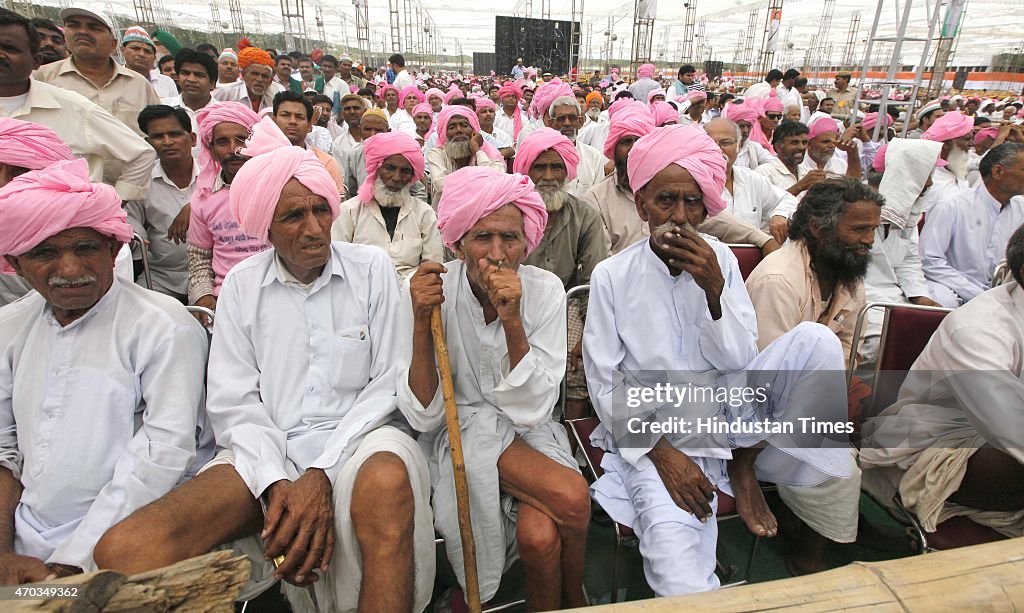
(227, 67)
(91, 42)
(928, 114)
(140, 55)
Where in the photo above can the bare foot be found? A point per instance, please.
(750, 502)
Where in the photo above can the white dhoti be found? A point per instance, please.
(338, 589)
(943, 295)
(486, 433)
(805, 373)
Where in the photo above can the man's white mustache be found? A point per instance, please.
(76, 282)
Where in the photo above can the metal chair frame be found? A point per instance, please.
(147, 274)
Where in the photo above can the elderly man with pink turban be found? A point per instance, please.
(86, 353)
(561, 111)
(574, 239)
(645, 83)
(215, 244)
(698, 327)
(505, 324)
(315, 463)
(486, 113)
(955, 131)
(384, 213)
(824, 146)
(459, 144)
(755, 149)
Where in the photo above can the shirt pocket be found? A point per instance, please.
(352, 357)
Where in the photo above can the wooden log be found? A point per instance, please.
(980, 578)
(202, 584)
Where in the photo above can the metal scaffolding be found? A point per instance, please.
(643, 35)
(293, 14)
(817, 54)
(321, 28)
(407, 11)
(737, 57)
(575, 36)
(748, 46)
(770, 37)
(944, 48)
(396, 31)
(144, 13)
(702, 42)
(216, 25)
(850, 50)
(688, 34)
(363, 27)
(237, 24)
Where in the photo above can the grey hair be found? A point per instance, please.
(739, 135)
(1015, 254)
(564, 101)
(1001, 155)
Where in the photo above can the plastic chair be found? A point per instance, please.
(749, 256)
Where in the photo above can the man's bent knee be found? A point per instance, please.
(382, 483)
(572, 503)
(537, 538)
(134, 546)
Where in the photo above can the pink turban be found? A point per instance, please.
(433, 91)
(446, 115)
(871, 120)
(620, 104)
(510, 89)
(208, 118)
(949, 126)
(688, 147)
(646, 71)
(985, 133)
(378, 148)
(750, 110)
(539, 141)
(43, 203)
(258, 184)
(31, 145)
(453, 93)
(412, 90)
(383, 89)
(474, 192)
(663, 112)
(633, 120)
(773, 104)
(823, 125)
(486, 103)
(423, 107)
(546, 94)
(696, 95)
(655, 92)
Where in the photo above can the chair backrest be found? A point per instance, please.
(905, 332)
(582, 429)
(138, 245)
(749, 256)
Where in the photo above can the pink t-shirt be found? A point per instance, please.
(211, 226)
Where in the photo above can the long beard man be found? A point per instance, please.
(957, 162)
(594, 113)
(457, 149)
(553, 194)
(843, 265)
(386, 198)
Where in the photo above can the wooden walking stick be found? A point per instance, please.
(451, 414)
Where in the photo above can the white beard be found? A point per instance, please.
(594, 114)
(386, 198)
(958, 161)
(457, 150)
(554, 197)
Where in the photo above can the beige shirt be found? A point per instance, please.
(124, 95)
(116, 155)
(440, 165)
(785, 292)
(618, 212)
(779, 175)
(574, 242)
(844, 101)
(416, 239)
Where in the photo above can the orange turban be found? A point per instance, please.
(254, 55)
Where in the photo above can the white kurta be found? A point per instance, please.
(416, 238)
(677, 342)
(495, 403)
(756, 200)
(401, 121)
(964, 238)
(834, 168)
(97, 418)
(963, 392)
(594, 134)
(894, 275)
(751, 155)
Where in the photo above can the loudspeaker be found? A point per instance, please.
(483, 64)
(960, 79)
(714, 69)
(542, 43)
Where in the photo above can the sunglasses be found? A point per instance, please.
(773, 115)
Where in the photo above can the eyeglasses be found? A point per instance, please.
(773, 115)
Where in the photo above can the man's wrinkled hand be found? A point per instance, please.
(778, 226)
(503, 287)
(17, 569)
(178, 232)
(684, 480)
(426, 289)
(299, 525)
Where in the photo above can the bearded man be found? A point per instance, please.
(822, 142)
(459, 144)
(384, 213)
(254, 89)
(955, 131)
